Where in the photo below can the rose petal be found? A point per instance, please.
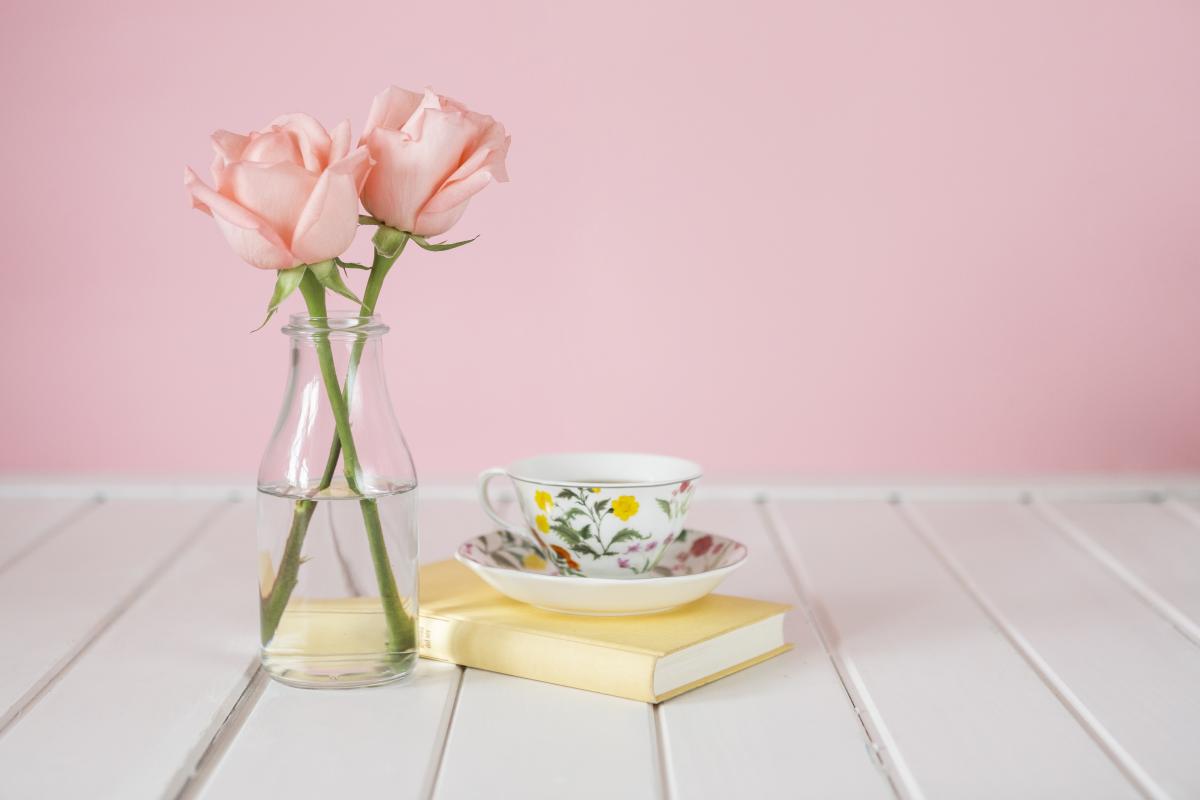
(391, 108)
(429, 101)
(458, 190)
(228, 145)
(491, 150)
(250, 236)
(383, 194)
(311, 137)
(218, 170)
(435, 223)
(330, 218)
(451, 103)
(340, 142)
(275, 192)
(272, 147)
(456, 193)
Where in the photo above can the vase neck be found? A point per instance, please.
(346, 350)
(334, 327)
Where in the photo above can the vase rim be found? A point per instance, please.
(335, 323)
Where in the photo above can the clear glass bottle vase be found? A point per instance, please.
(337, 527)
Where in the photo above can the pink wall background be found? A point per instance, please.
(812, 237)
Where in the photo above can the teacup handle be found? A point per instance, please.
(485, 478)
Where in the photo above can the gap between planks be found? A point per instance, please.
(880, 755)
(1182, 509)
(52, 530)
(1073, 705)
(435, 772)
(192, 777)
(60, 669)
(666, 788)
(1077, 535)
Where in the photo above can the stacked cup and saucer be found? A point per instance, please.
(600, 534)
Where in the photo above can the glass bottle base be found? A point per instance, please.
(339, 672)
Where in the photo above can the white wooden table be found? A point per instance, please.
(1013, 641)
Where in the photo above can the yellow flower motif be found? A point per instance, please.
(533, 561)
(625, 507)
(594, 490)
(542, 523)
(543, 499)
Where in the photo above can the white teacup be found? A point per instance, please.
(600, 515)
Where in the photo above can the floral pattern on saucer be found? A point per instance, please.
(691, 553)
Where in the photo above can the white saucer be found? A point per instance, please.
(689, 568)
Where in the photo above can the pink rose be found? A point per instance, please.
(432, 155)
(286, 195)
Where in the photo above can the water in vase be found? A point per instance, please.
(338, 585)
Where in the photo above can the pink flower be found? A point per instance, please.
(622, 562)
(683, 487)
(651, 546)
(702, 545)
(633, 548)
(432, 155)
(286, 195)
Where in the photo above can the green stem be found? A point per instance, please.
(379, 271)
(400, 625)
(276, 601)
(289, 568)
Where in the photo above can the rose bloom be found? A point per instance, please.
(432, 155)
(286, 195)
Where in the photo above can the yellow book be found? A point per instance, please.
(650, 658)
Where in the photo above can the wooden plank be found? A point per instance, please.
(301, 743)
(386, 740)
(783, 726)
(1153, 549)
(169, 670)
(57, 599)
(519, 738)
(1128, 675)
(25, 521)
(957, 710)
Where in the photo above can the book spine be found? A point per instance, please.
(566, 662)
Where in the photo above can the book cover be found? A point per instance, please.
(465, 621)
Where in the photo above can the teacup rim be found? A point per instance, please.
(692, 471)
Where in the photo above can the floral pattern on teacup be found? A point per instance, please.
(578, 517)
(690, 553)
(677, 505)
